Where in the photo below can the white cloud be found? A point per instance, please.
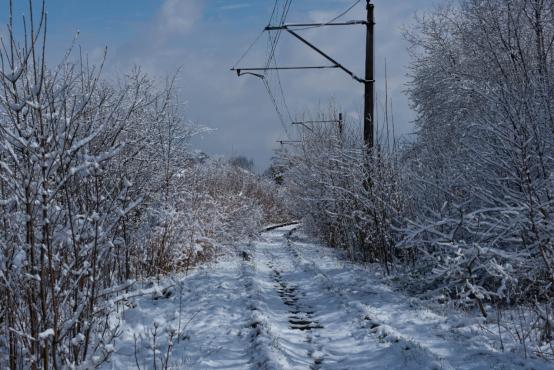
(178, 16)
(235, 6)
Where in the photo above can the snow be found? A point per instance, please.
(212, 322)
(46, 334)
(287, 303)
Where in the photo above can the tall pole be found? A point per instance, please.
(369, 97)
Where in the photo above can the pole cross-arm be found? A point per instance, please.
(302, 124)
(247, 70)
(282, 142)
(320, 52)
(310, 25)
(240, 72)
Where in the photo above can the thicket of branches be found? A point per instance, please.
(345, 196)
(98, 190)
(482, 168)
(464, 213)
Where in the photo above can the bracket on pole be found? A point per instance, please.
(323, 121)
(240, 72)
(249, 71)
(282, 142)
(302, 124)
(315, 48)
(294, 25)
(305, 123)
(287, 27)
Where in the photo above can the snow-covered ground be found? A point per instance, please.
(284, 303)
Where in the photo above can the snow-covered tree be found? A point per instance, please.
(480, 170)
(347, 196)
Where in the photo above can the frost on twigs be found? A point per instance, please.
(462, 213)
(98, 191)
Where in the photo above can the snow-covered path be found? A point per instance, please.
(286, 304)
(311, 324)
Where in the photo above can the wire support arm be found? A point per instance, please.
(282, 142)
(245, 70)
(302, 124)
(323, 54)
(322, 121)
(295, 25)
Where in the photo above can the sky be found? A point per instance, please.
(205, 38)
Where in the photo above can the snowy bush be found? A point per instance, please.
(60, 210)
(464, 212)
(98, 189)
(347, 196)
(215, 204)
(480, 169)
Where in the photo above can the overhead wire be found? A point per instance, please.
(273, 11)
(257, 37)
(272, 46)
(270, 42)
(273, 43)
(274, 101)
(248, 49)
(279, 99)
(280, 84)
(340, 15)
(271, 50)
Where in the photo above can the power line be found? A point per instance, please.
(271, 59)
(272, 46)
(273, 11)
(257, 37)
(368, 81)
(271, 43)
(274, 101)
(248, 49)
(280, 84)
(342, 14)
(275, 40)
(284, 15)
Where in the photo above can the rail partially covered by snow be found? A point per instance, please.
(283, 303)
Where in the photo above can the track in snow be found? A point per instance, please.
(286, 304)
(310, 325)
